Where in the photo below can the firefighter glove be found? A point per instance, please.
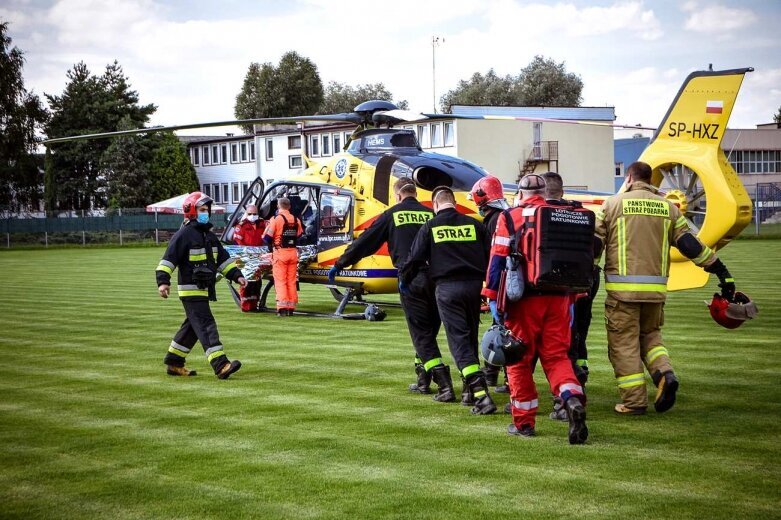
(495, 312)
(728, 289)
(332, 274)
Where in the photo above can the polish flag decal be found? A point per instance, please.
(714, 107)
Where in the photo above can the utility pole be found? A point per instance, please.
(435, 41)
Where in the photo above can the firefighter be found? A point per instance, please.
(198, 254)
(488, 194)
(454, 247)
(542, 320)
(282, 235)
(249, 232)
(636, 229)
(580, 306)
(398, 226)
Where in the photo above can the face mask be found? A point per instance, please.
(252, 218)
(481, 211)
(203, 218)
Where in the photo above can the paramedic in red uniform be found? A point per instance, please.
(282, 235)
(542, 320)
(249, 232)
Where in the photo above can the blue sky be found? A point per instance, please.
(190, 57)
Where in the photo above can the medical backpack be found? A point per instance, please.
(555, 244)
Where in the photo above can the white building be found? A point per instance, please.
(583, 154)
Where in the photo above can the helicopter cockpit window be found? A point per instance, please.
(334, 212)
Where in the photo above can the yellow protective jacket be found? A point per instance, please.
(636, 229)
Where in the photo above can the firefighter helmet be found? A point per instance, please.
(194, 201)
(732, 314)
(487, 189)
(500, 347)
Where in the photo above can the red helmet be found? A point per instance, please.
(194, 201)
(731, 315)
(487, 189)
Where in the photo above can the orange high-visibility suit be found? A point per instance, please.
(282, 233)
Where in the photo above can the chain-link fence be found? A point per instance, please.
(114, 226)
(766, 216)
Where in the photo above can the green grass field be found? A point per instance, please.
(319, 423)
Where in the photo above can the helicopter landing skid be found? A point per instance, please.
(338, 314)
(356, 298)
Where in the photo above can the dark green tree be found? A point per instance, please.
(89, 104)
(340, 97)
(21, 115)
(256, 98)
(490, 89)
(292, 88)
(125, 167)
(777, 117)
(171, 172)
(543, 82)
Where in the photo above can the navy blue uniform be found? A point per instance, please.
(199, 256)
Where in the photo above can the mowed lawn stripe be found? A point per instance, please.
(319, 424)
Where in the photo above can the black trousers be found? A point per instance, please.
(581, 321)
(198, 325)
(459, 310)
(420, 310)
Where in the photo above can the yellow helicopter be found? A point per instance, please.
(338, 198)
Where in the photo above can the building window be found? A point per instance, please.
(294, 142)
(315, 146)
(449, 138)
(216, 193)
(234, 152)
(337, 143)
(294, 161)
(252, 150)
(196, 156)
(223, 153)
(207, 190)
(243, 149)
(436, 135)
(235, 187)
(269, 150)
(756, 161)
(619, 169)
(326, 144)
(423, 136)
(244, 188)
(205, 151)
(225, 194)
(215, 154)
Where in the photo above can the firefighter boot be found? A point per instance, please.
(467, 399)
(491, 374)
(441, 376)
(576, 413)
(666, 387)
(173, 370)
(424, 380)
(483, 404)
(228, 368)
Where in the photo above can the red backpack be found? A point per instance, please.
(555, 244)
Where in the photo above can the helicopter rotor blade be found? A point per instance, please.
(345, 117)
(408, 115)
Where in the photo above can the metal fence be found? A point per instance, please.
(118, 226)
